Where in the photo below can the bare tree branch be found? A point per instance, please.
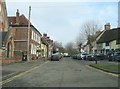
(89, 29)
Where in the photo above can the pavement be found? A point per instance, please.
(18, 67)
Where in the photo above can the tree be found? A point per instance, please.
(88, 30)
(80, 40)
(70, 48)
(58, 45)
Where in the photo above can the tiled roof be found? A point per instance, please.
(22, 20)
(110, 35)
(44, 41)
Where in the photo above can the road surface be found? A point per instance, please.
(64, 73)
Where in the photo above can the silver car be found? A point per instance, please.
(55, 57)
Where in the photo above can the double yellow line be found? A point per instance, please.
(21, 74)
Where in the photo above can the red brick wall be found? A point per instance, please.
(21, 34)
(20, 46)
(21, 39)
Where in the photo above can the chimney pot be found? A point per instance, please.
(48, 37)
(107, 26)
(45, 34)
(17, 16)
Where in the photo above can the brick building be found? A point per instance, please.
(19, 26)
(6, 36)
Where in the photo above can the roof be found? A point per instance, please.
(23, 22)
(44, 41)
(26, 26)
(110, 35)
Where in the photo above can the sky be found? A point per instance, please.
(62, 19)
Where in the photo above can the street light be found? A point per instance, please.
(28, 32)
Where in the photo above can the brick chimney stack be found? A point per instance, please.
(17, 17)
(45, 35)
(107, 26)
(48, 37)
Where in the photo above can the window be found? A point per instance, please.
(107, 44)
(31, 48)
(107, 51)
(32, 35)
(36, 38)
(118, 41)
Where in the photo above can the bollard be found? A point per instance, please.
(95, 61)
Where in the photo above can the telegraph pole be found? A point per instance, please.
(28, 33)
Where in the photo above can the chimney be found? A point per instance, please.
(107, 26)
(17, 17)
(45, 35)
(48, 37)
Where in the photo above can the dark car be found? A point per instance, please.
(79, 57)
(55, 57)
(100, 56)
(110, 56)
(74, 56)
(91, 57)
(116, 56)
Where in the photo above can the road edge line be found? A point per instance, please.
(20, 74)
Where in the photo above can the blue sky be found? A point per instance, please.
(62, 20)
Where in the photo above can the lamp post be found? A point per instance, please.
(28, 33)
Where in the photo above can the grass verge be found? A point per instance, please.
(109, 67)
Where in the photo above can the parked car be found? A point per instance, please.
(110, 56)
(116, 56)
(83, 56)
(55, 57)
(91, 57)
(74, 56)
(100, 56)
(79, 56)
(66, 55)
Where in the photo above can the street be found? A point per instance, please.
(64, 73)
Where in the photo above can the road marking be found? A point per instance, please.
(116, 75)
(21, 74)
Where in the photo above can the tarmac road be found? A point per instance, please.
(64, 73)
